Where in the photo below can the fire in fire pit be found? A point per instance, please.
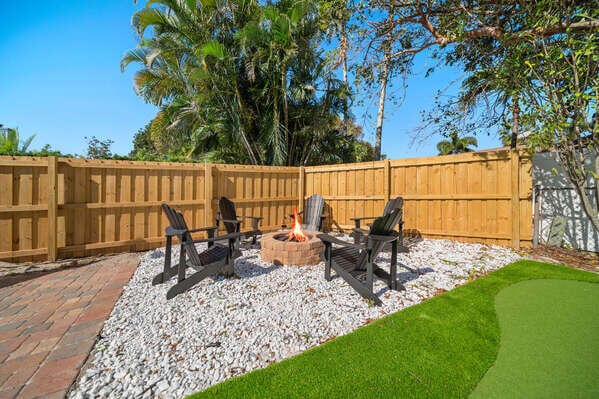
(296, 234)
(296, 247)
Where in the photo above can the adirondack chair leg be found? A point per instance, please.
(228, 269)
(393, 268)
(167, 254)
(357, 236)
(210, 235)
(254, 228)
(167, 271)
(217, 221)
(369, 276)
(328, 262)
(192, 280)
(182, 265)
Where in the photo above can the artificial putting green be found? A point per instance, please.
(441, 348)
(549, 341)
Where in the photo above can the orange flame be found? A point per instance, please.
(296, 229)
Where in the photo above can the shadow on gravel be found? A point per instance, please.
(247, 269)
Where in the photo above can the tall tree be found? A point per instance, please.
(563, 100)
(539, 59)
(241, 80)
(335, 19)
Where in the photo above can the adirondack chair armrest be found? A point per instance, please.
(251, 217)
(389, 238)
(230, 236)
(358, 221)
(170, 231)
(363, 218)
(203, 229)
(228, 220)
(255, 220)
(328, 240)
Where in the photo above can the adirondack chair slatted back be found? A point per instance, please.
(312, 212)
(178, 222)
(395, 203)
(226, 208)
(382, 226)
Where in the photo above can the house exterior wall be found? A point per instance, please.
(558, 197)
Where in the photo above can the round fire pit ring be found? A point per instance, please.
(276, 249)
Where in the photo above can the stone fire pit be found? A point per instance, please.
(276, 250)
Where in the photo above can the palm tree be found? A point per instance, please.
(237, 79)
(11, 144)
(456, 144)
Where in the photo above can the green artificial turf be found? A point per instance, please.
(549, 341)
(441, 348)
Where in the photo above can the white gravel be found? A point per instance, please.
(151, 347)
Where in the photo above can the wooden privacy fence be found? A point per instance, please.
(475, 197)
(62, 207)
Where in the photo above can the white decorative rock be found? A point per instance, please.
(151, 347)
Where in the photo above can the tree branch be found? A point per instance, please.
(495, 32)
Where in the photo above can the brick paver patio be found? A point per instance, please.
(49, 324)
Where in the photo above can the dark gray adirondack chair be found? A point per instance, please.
(227, 215)
(354, 262)
(313, 215)
(358, 232)
(207, 263)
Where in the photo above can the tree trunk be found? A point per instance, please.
(573, 162)
(345, 78)
(378, 134)
(596, 178)
(590, 210)
(515, 120)
(290, 138)
(244, 139)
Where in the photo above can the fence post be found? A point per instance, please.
(52, 208)
(387, 180)
(536, 215)
(208, 194)
(515, 174)
(301, 188)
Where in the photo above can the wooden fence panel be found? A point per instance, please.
(112, 206)
(23, 208)
(61, 207)
(267, 192)
(467, 197)
(352, 190)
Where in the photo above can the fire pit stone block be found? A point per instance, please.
(275, 250)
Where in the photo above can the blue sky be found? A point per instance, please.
(60, 79)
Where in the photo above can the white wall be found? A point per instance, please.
(580, 232)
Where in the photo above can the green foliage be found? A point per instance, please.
(99, 148)
(12, 144)
(143, 146)
(47, 151)
(456, 144)
(533, 73)
(240, 82)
